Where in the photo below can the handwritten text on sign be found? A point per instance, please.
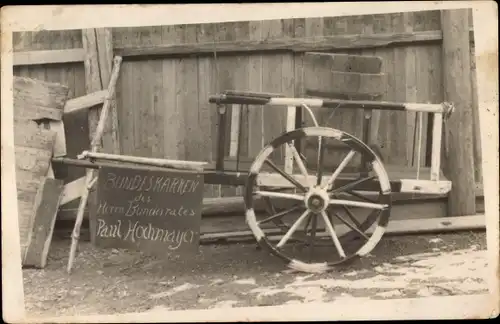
(150, 209)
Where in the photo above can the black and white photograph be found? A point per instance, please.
(284, 165)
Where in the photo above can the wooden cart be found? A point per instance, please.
(333, 213)
(305, 204)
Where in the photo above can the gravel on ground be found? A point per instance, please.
(107, 281)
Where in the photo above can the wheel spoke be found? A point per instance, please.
(350, 186)
(360, 196)
(307, 224)
(300, 164)
(357, 204)
(280, 214)
(319, 174)
(292, 229)
(341, 167)
(336, 242)
(354, 228)
(314, 224)
(269, 206)
(279, 195)
(351, 216)
(286, 175)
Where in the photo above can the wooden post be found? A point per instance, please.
(457, 90)
(291, 113)
(89, 177)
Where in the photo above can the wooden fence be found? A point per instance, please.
(169, 72)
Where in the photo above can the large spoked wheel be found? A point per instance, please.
(323, 207)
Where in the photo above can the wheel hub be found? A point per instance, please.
(316, 200)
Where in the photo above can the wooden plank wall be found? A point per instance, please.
(163, 108)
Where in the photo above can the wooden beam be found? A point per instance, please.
(298, 45)
(49, 57)
(72, 190)
(456, 84)
(396, 227)
(174, 164)
(85, 102)
(235, 206)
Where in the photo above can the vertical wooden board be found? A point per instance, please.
(425, 21)
(146, 119)
(207, 116)
(194, 137)
(314, 27)
(387, 138)
(173, 134)
(398, 121)
(232, 71)
(105, 57)
(299, 32)
(43, 224)
(287, 61)
(429, 71)
(478, 173)
(157, 102)
(256, 112)
(122, 101)
(125, 100)
(143, 129)
(182, 68)
(353, 119)
(92, 76)
(412, 95)
(369, 28)
(288, 89)
(382, 24)
(274, 117)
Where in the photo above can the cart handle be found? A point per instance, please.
(253, 98)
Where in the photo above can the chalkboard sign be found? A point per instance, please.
(154, 210)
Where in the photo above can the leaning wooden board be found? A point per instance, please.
(43, 222)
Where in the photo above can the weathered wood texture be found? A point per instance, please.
(43, 223)
(459, 151)
(163, 101)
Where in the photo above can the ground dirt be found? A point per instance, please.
(110, 281)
